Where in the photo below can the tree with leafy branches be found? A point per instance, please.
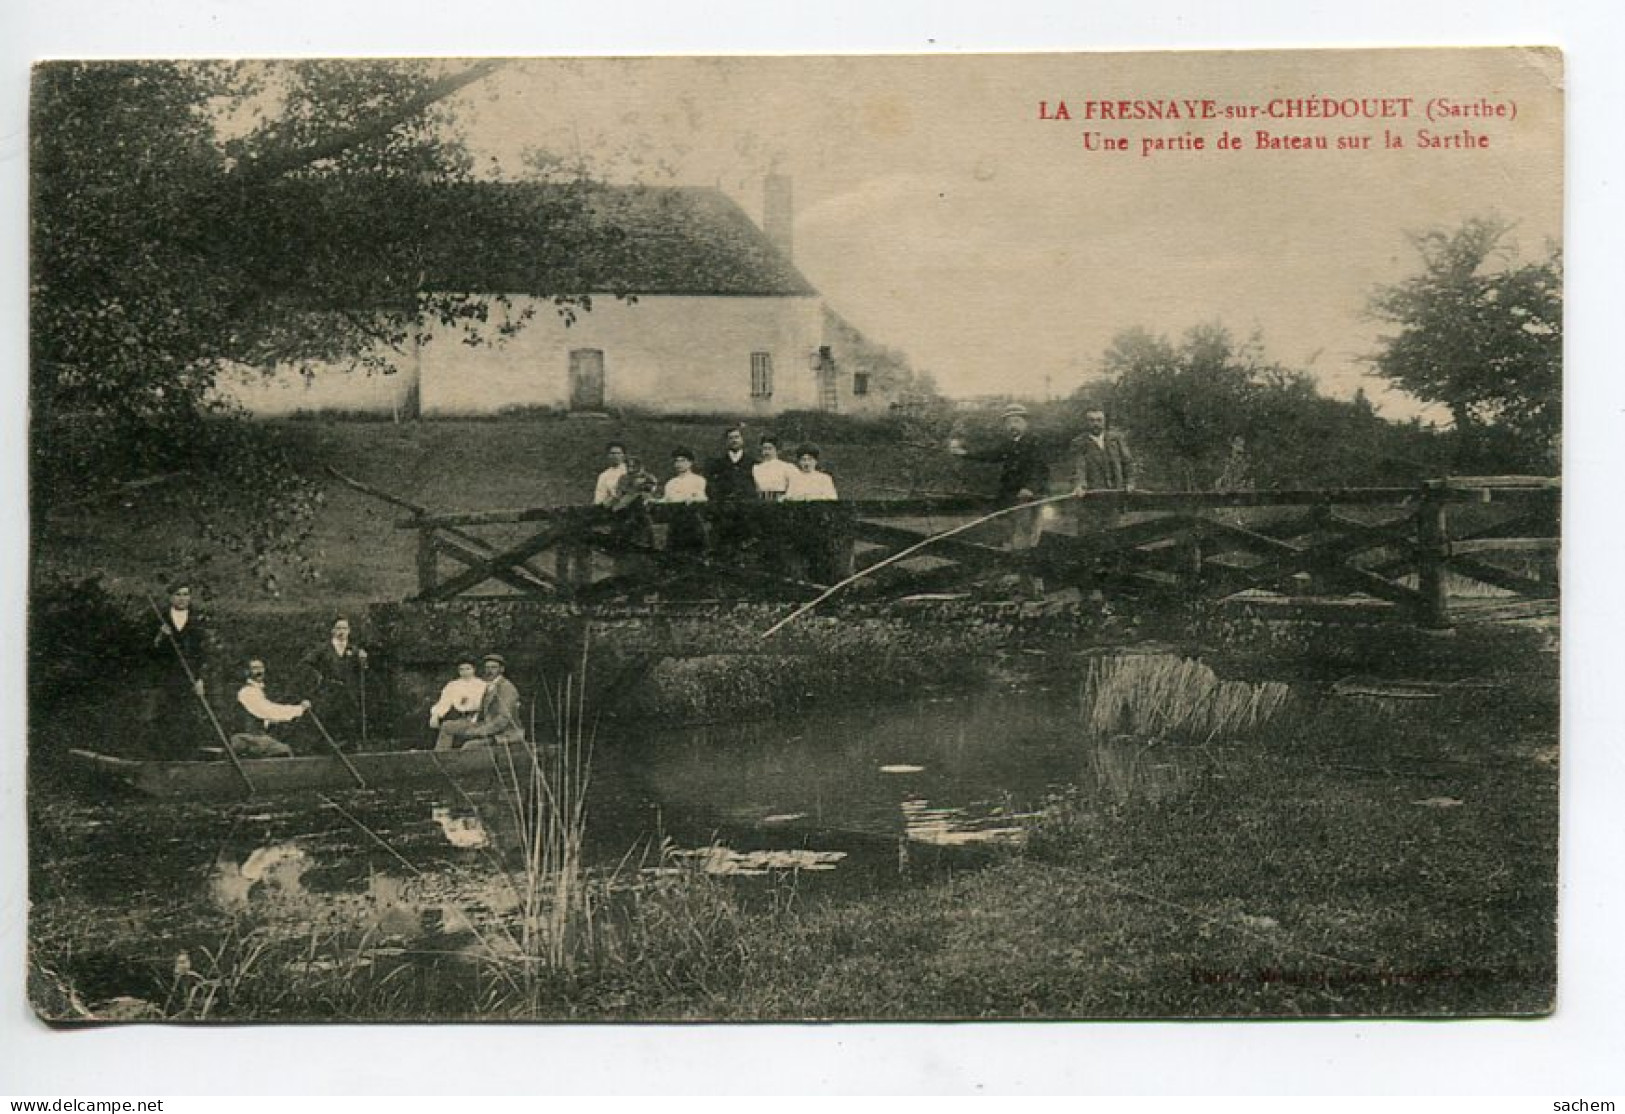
(188, 217)
(1481, 334)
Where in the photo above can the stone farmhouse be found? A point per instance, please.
(719, 321)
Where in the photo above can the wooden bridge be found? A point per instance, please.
(1419, 553)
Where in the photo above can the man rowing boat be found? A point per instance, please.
(170, 724)
(257, 713)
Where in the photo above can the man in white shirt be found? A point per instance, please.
(461, 697)
(257, 712)
(604, 493)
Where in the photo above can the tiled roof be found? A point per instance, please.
(544, 239)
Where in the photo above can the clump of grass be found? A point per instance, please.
(1169, 697)
(548, 798)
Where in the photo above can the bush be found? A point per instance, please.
(76, 630)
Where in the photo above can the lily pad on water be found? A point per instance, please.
(725, 860)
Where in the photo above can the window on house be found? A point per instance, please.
(860, 382)
(761, 375)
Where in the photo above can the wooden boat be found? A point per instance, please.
(220, 780)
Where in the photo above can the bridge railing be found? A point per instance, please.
(1410, 547)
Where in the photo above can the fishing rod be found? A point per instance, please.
(909, 552)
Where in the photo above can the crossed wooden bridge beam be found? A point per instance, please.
(1389, 544)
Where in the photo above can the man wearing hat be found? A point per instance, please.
(169, 709)
(497, 722)
(1023, 477)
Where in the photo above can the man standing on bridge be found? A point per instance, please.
(1023, 477)
(1101, 461)
(730, 484)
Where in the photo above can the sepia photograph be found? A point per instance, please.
(934, 537)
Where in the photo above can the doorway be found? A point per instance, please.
(587, 379)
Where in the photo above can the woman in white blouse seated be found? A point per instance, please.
(814, 545)
(461, 698)
(687, 531)
(772, 474)
(807, 483)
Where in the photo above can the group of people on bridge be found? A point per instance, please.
(1100, 460)
(734, 478)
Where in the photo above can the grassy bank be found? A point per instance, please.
(444, 465)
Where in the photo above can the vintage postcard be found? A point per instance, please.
(1051, 536)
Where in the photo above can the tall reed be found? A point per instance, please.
(549, 807)
(1165, 696)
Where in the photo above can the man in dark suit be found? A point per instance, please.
(171, 716)
(1023, 477)
(1023, 473)
(1101, 460)
(730, 489)
(337, 676)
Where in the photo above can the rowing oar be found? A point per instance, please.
(362, 676)
(348, 765)
(208, 711)
(904, 554)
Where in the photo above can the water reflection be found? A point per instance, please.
(1128, 770)
(275, 867)
(949, 773)
(466, 832)
(843, 799)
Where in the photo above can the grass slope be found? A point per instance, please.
(446, 466)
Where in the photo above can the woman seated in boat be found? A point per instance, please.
(257, 712)
(461, 697)
(497, 722)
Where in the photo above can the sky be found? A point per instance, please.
(939, 213)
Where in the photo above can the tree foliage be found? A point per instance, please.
(187, 217)
(1213, 412)
(1482, 334)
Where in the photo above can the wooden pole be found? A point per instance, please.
(348, 765)
(208, 711)
(428, 561)
(361, 674)
(1432, 552)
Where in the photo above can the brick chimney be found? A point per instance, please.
(778, 213)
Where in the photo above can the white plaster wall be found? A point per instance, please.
(664, 353)
(332, 389)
